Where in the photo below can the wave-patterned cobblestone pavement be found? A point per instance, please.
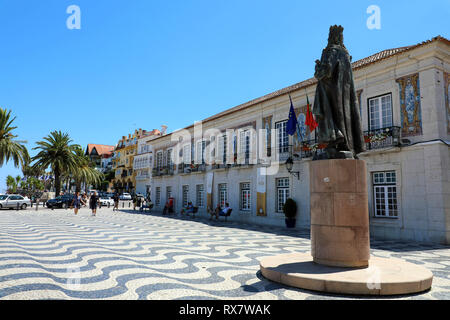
(123, 255)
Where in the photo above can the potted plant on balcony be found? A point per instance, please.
(290, 212)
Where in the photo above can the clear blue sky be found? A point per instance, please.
(142, 63)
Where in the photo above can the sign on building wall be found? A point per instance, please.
(302, 133)
(410, 110)
(209, 187)
(261, 191)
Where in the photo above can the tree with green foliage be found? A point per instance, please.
(32, 187)
(57, 152)
(13, 183)
(10, 148)
(85, 172)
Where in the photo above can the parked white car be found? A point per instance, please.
(125, 196)
(11, 201)
(106, 200)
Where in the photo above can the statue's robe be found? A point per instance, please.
(335, 105)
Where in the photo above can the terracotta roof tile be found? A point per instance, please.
(101, 148)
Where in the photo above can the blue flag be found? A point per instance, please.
(291, 126)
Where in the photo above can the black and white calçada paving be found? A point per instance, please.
(49, 254)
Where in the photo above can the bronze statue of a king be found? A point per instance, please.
(335, 105)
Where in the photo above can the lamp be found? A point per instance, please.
(289, 166)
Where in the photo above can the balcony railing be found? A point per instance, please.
(163, 171)
(198, 167)
(142, 177)
(382, 138)
(188, 168)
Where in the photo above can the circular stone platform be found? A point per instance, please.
(382, 277)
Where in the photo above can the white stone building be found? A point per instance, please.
(404, 101)
(142, 166)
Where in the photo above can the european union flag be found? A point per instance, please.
(291, 126)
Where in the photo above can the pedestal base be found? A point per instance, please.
(339, 213)
(382, 277)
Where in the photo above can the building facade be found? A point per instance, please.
(143, 162)
(239, 155)
(101, 155)
(122, 162)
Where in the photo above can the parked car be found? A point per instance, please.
(11, 201)
(105, 201)
(125, 196)
(60, 201)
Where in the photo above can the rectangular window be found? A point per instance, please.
(185, 195)
(282, 137)
(222, 149)
(168, 193)
(159, 160)
(223, 194)
(200, 202)
(169, 158)
(187, 154)
(158, 196)
(245, 197)
(244, 145)
(380, 112)
(200, 152)
(282, 193)
(385, 194)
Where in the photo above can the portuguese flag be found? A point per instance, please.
(310, 122)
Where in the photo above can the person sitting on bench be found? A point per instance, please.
(215, 212)
(188, 209)
(224, 212)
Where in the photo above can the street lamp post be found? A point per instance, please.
(289, 166)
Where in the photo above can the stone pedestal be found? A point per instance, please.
(340, 243)
(339, 213)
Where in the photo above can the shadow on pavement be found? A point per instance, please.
(303, 233)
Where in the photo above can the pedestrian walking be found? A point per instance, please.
(134, 202)
(84, 199)
(76, 202)
(93, 203)
(116, 202)
(139, 202)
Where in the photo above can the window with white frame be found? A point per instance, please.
(200, 194)
(158, 196)
(212, 149)
(244, 145)
(185, 195)
(168, 192)
(200, 152)
(282, 137)
(245, 196)
(169, 158)
(187, 154)
(385, 194)
(380, 112)
(282, 192)
(159, 159)
(222, 149)
(223, 194)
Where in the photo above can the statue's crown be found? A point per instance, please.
(336, 35)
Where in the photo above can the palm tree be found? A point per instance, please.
(10, 148)
(13, 183)
(29, 171)
(85, 172)
(57, 152)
